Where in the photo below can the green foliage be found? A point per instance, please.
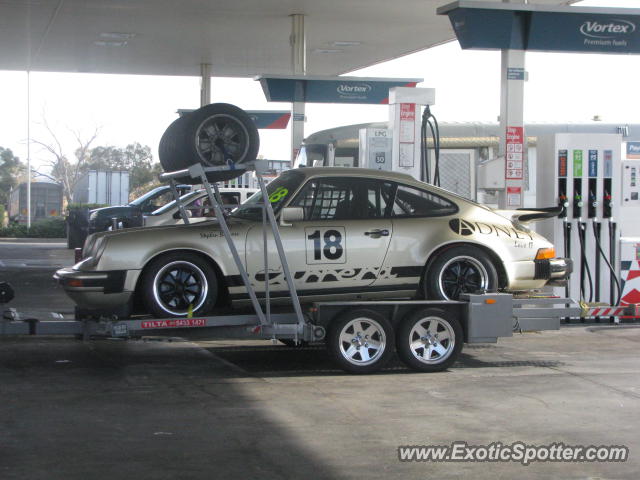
(134, 158)
(144, 188)
(47, 228)
(10, 170)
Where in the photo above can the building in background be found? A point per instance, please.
(46, 202)
(466, 152)
(102, 187)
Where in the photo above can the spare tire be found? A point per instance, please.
(213, 135)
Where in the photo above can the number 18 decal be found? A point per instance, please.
(325, 245)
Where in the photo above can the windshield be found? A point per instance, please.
(183, 199)
(309, 155)
(279, 191)
(149, 194)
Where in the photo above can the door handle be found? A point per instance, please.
(377, 233)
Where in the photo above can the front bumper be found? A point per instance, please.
(102, 293)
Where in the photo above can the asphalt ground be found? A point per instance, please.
(160, 409)
(28, 265)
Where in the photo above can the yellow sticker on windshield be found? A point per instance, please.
(278, 195)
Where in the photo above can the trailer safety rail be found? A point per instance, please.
(209, 176)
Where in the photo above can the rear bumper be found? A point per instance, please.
(556, 271)
(534, 274)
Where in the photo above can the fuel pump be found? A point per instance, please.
(595, 224)
(578, 211)
(586, 186)
(563, 202)
(584, 265)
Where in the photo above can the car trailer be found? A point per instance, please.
(361, 336)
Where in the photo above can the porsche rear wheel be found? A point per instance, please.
(458, 270)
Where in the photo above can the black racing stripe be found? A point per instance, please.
(234, 280)
(402, 272)
(331, 291)
(399, 272)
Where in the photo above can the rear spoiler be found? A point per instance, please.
(526, 215)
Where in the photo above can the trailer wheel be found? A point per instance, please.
(177, 283)
(210, 135)
(429, 340)
(360, 341)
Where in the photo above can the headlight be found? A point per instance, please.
(93, 252)
(98, 248)
(93, 216)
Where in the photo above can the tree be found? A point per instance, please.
(10, 169)
(62, 169)
(134, 158)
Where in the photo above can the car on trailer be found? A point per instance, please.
(348, 233)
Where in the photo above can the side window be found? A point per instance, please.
(411, 202)
(230, 199)
(345, 199)
(159, 201)
(325, 199)
(379, 195)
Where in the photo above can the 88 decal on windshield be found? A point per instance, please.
(325, 245)
(279, 194)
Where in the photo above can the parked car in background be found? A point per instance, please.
(196, 206)
(132, 214)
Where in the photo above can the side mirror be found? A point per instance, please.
(291, 214)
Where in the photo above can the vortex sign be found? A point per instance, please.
(612, 29)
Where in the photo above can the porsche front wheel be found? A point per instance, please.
(178, 284)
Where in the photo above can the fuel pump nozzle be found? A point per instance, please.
(607, 205)
(563, 202)
(577, 206)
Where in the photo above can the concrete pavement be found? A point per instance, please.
(114, 409)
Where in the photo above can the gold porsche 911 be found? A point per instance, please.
(348, 233)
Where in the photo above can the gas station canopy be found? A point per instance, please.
(165, 37)
(325, 89)
(490, 25)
